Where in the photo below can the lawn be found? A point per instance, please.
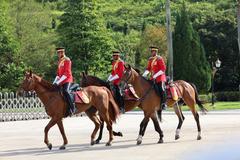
(219, 106)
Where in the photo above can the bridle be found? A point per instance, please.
(126, 84)
(128, 78)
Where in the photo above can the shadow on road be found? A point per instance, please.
(81, 148)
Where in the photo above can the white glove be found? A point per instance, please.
(109, 77)
(113, 78)
(61, 79)
(145, 73)
(157, 74)
(55, 80)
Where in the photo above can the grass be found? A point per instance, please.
(218, 106)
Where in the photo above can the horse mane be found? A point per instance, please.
(44, 82)
(139, 73)
(102, 82)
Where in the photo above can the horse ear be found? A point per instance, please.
(83, 75)
(30, 73)
(127, 66)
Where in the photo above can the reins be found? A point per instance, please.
(146, 93)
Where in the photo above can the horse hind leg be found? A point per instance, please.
(61, 128)
(181, 118)
(196, 117)
(106, 118)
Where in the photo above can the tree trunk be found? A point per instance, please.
(238, 18)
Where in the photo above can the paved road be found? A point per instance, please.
(220, 131)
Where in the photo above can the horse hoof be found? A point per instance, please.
(120, 134)
(62, 147)
(139, 142)
(108, 144)
(199, 138)
(177, 137)
(97, 141)
(49, 146)
(92, 143)
(160, 141)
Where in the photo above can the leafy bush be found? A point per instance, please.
(228, 96)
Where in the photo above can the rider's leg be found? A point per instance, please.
(66, 93)
(119, 98)
(163, 94)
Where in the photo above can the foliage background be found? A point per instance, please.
(28, 37)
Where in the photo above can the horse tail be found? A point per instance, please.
(198, 101)
(113, 107)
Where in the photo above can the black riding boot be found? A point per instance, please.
(119, 99)
(67, 95)
(163, 95)
(164, 100)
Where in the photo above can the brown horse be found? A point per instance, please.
(144, 88)
(56, 107)
(145, 104)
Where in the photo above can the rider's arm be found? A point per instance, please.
(67, 68)
(158, 74)
(114, 77)
(145, 73)
(62, 78)
(55, 80)
(109, 77)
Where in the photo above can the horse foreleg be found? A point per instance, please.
(61, 128)
(157, 127)
(143, 127)
(181, 118)
(51, 123)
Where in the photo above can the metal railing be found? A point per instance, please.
(27, 107)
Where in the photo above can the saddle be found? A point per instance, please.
(81, 97)
(172, 92)
(77, 94)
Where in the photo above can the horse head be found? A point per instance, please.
(28, 83)
(127, 74)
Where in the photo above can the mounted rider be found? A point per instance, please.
(115, 78)
(64, 76)
(157, 68)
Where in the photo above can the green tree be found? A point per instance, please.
(152, 36)
(32, 28)
(9, 69)
(190, 62)
(83, 33)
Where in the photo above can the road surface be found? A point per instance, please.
(23, 140)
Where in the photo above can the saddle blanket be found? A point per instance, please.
(172, 92)
(81, 97)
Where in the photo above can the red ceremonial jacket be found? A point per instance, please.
(156, 64)
(117, 68)
(65, 68)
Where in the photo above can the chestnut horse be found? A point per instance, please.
(100, 98)
(145, 104)
(144, 88)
